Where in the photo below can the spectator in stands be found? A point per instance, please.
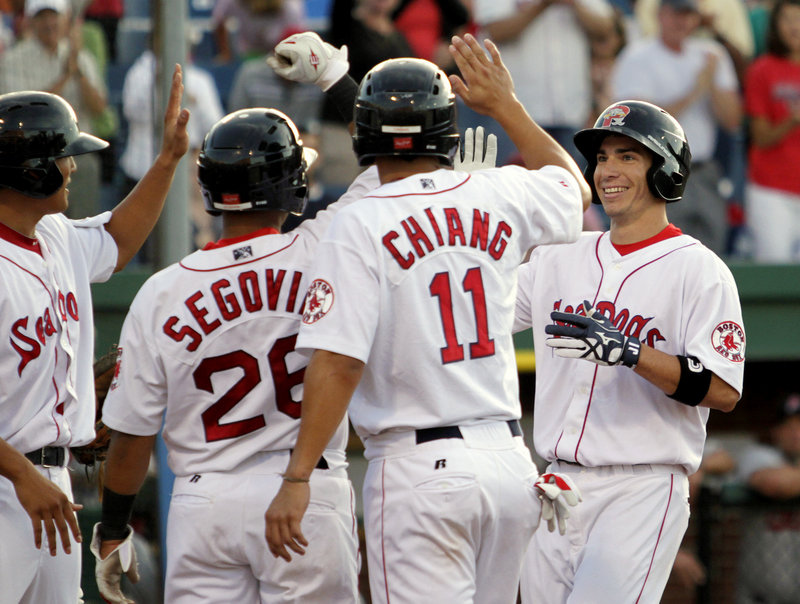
(256, 85)
(201, 98)
(605, 48)
(428, 25)
(772, 95)
(545, 44)
(770, 545)
(107, 14)
(52, 59)
(693, 79)
(726, 19)
(259, 26)
(366, 27)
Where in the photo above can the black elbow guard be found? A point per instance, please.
(694, 382)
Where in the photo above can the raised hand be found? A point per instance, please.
(175, 142)
(307, 58)
(485, 83)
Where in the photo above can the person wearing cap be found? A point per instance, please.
(51, 59)
(770, 545)
(47, 262)
(693, 79)
(638, 336)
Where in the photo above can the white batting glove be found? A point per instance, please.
(108, 572)
(307, 58)
(557, 493)
(474, 157)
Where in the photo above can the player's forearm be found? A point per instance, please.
(136, 215)
(127, 462)
(12, 463)
(537, 147)
(330, 381)
(664, 371)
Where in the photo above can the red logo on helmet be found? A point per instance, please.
(615, 116)
(230, 198)
(402, 142)
(728, 340)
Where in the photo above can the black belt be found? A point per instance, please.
(322, 464)
(47, 456)
(428, 434)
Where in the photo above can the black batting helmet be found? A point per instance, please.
(36, 128)
(253, 159)
(405, 107)
(655, 129)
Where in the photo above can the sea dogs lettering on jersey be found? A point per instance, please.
(417, 236)
(251, 292)
(28, 336)
(630, 325)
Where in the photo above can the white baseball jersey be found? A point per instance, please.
(210, 340)
(675, 296)
(439, 249)
(47, 385)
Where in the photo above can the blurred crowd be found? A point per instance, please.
(729, 70)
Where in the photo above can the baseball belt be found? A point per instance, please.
(47, 456)
(428, 434)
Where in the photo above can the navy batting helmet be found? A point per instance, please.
(655, 129)
(253, 159)
(405, 107)
(36, 128)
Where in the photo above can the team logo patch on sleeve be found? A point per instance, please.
(728, 340)
(319, 300)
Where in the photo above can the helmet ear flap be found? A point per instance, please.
(43, 181)
(40, 180)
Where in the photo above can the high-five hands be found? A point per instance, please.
(307, 58)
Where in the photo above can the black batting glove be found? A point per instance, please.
(592, 337)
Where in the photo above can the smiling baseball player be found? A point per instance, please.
(645, 336)
(413, 290)
(47, 263)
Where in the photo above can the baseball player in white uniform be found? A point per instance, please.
(208, 345)
(409, 311)
(645, 333)
(46, 265)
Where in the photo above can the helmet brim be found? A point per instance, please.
(85, 143)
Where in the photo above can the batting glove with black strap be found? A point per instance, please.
(557, 493)
(307, 58)
(592, 337)
(108, 571)
(473, 156)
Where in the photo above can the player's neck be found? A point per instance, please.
(21, 217)
(625, 230)
(391, 169)
(238, 224)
